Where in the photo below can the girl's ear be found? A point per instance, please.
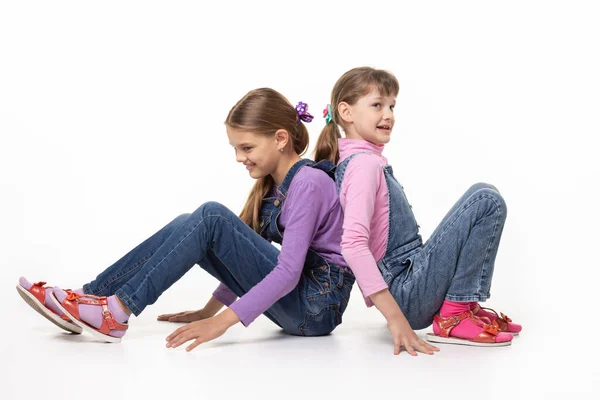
(282, 138)
(345, 112)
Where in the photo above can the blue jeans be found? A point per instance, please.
(456, 263)
(228, 249)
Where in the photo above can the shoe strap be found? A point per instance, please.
(447, 324)
(498, 316)
(39, 291)
(108, 320)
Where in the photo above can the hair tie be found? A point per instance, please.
(327, 114)
(302, 113)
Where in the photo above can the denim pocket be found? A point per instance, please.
(407, 269)
(408, 265)
(318, 281)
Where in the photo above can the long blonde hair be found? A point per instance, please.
(351, 86)
(265, 111)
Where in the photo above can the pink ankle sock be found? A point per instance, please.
(512, 327)
(92, 314)
(466, 329)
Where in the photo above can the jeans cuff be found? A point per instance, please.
(128, 302)
(466, 299)
(87, 289)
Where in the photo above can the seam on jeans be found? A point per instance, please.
(463, 298)
(389, 196)
(492, 237)
(128, 301)
(125, 272)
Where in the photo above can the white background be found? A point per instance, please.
(111, 124)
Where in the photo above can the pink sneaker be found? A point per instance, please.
(38, 297)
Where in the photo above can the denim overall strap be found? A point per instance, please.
(272, 206)
(403, 232)
(285, 184)
(326, 166)
(340, 170)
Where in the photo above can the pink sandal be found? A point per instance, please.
(36, 298)
(501, 321)
(487, 338)
(70, 306)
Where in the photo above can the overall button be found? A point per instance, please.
(277, 203)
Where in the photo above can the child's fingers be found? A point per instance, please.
(194, 345)
(431, 347)
(410, 349)
(425, 347)
(177, 332)
(181, 339)
(167, 317)
(422, 347)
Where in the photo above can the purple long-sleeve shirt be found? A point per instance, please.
(311, 217)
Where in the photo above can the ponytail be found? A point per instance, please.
(251, 211)
(327, 144)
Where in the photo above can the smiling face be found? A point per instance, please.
(371, 118)
(258, 152)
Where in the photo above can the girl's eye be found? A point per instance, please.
(246, 148)
(377, 105)
(392, 107)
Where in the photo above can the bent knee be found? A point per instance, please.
(494, 198)
(210, 208)
(482, 185)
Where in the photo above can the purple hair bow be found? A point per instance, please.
(302, 112)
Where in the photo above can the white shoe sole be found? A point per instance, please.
(450, 340)
(45, 312)
(83, 325)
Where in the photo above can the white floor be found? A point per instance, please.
(111, 124)
(260, 362)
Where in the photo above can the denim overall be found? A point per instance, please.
(223, 245)
(456, 263)
(324, 287)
